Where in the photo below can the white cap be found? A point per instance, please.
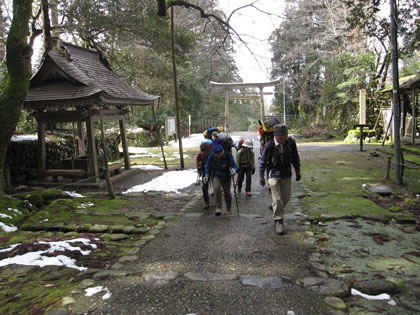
(248, 143)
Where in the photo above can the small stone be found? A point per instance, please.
(379, 189)
(127, 258)
(377, 286)
(86, 283)
(325, 286)
(210, 276)
(265, 283)
(98, 228)
(111, 273)
(336, 302)
(159, 278)
(141, 230)
(117, 266)
(118, 237)
(154, 232)
(67, 301)
(133, 251)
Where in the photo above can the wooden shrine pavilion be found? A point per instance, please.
(409, 92)
(77, 85)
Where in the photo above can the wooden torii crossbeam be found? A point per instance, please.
(240, 85)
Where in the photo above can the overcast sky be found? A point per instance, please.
(254, 27)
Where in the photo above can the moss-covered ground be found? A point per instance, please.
(31, 289)
(369, 243)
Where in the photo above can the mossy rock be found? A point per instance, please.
(36, 199)
(51, 194)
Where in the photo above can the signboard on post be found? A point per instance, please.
(170, 127)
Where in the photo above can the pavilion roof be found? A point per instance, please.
(71, 76)
(406, 83)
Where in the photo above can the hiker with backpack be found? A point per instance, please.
(221, 167)
(205, 150)
(278, 156)
(245, 160)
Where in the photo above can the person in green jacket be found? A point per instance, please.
(245, 159)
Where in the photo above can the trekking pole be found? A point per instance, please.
(197, 182)
(234, 191)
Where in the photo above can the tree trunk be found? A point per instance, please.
(46, 29)
(18, 61)
(2, 32)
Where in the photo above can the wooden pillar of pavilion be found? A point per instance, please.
(81, 139)
(41, 161)
(93, 160)
(124, 144)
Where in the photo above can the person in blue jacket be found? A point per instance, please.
(220, 166)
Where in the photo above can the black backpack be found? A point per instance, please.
(225, 141)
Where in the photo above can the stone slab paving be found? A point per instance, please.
(223, 265)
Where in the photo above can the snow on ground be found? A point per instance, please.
(39, 259)
(383, 296)
(26, 138)
(73, 194)
(167, 182)
(8, 228)
(147, 167)
(94, 290)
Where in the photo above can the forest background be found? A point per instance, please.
(325, 51)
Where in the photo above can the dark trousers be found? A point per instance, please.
(242, 172)
(205, 189)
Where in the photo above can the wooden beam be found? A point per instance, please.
(80, 115)
(239, 85)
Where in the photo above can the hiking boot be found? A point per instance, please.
(239, 190)
(218, 211)
(228, 211)
(279, 227)
(248, 193)
(206, 205)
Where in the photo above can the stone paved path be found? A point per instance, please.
(203, 264)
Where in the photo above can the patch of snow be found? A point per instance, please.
(383, 296)
(12, 247)
(39, 259)
(392, 302)
(15, 210)
(5, 216)
(168, 182)
(73, 194)
(147, 167)
(8, 228)
(26, 138)
(85, 205)
(94, 290)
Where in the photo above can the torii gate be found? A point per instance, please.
(236, 85)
